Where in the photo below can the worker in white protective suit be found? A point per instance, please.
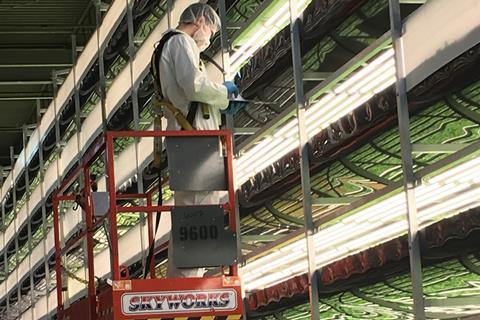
(183, 80)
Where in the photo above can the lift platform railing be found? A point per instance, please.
(133, 298)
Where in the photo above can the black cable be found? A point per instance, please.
(206, 57)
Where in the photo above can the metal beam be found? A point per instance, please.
(333, 201)
(26, 98)
(30, 48)
(438, 148)
(309, 225)
(43, 27)
(281, 215)
(407, 161)
(454, 302)
(36, 65)
(469, 264)
(412, 1)
(25, 135)
(460, 108)
(364, 173)
(262, 238)
(25, 83)
(66, 32)
(244, 131)
(136, 126)
(11, 129)
(43, 208)
(15, 227)
(316, 76)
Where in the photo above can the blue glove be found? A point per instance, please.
(234, 107)
(232, 89)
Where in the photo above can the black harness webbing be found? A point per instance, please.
(155, 71)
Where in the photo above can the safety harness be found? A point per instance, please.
(185, 122)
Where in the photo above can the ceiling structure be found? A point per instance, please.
(35, 41)
(357, 156)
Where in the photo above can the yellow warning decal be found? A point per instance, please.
(122, 285)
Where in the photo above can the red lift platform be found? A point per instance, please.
(133, 298)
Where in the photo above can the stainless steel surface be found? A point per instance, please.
(195, 164)
(309, 226)
(407, 162)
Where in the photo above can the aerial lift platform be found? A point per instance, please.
(206, 234)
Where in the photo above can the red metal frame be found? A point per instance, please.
(109, 302)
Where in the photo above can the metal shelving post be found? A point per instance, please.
(29, 222)
(407, 162)
(136, 121)
(295, 25)
(15, 227)
(43, 208)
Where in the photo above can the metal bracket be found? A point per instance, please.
(343, 201)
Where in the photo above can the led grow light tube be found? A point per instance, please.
(264, 33)
(346, 97)
(372, 225)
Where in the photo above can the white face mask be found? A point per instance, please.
(202, 37)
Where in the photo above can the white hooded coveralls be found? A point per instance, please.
(183, 79)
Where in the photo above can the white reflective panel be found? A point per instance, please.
(125, 165)
(430, 43)
(118, 91)
(6, 186)
(130, 245)
(22, 216)
(11, 281)
(35, 197)
(112, 19)
(65, 92)
(18, 167)
(50, 240)
(75, 287)
(71, 220)
(41, 307)
(3, 287)
(46, 122)
(89, 54)
(102, 184)
(126, 160)
(23, 268)
(32, 146)
(27, 315)
(9, 232)
(50, 176)
(52, 301)
(37, 253)
(145, 152)
(163, 233)
(69, 153)
(91, 126)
